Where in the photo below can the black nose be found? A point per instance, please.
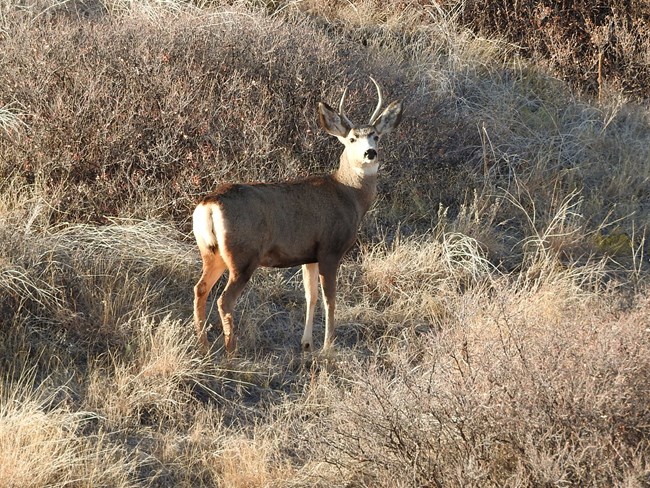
(370, 154)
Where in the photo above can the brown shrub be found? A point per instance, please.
(527, 389)
(139, 116)
(587, 44)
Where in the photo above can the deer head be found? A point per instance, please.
(360, 141)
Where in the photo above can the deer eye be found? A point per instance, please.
(352, 139)
(376, 137)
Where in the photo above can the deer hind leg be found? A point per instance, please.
(328, 282)
(310, 281)
(213, 268)
(236, 282)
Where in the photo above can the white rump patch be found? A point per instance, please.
(203, 220)
(219, 224)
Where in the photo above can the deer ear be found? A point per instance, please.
(331, 122)
(390, 118)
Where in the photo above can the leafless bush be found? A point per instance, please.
(587, 45)
(521, 379)
(139, 116)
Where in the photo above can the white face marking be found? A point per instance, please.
(361, 147)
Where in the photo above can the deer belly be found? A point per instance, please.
(282, 258)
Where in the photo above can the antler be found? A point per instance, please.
(375, 114)
(342, 110)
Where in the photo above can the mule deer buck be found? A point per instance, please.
(310, 222)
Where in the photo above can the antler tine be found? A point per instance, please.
(342, 110)
(375, 114)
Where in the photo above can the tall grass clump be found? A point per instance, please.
(44, 443)
(87, 284)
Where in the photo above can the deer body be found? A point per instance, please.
(310, 222)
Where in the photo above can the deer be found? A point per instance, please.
(310, 222)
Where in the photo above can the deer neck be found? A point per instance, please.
(362, 181)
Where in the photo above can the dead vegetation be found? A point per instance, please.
(494, 326)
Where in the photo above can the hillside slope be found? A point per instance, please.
(494, 319)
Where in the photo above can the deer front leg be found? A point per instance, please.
(310, 281)
(328, 283)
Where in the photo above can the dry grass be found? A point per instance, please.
(494, 326)
(44, 444)
(524, 391)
